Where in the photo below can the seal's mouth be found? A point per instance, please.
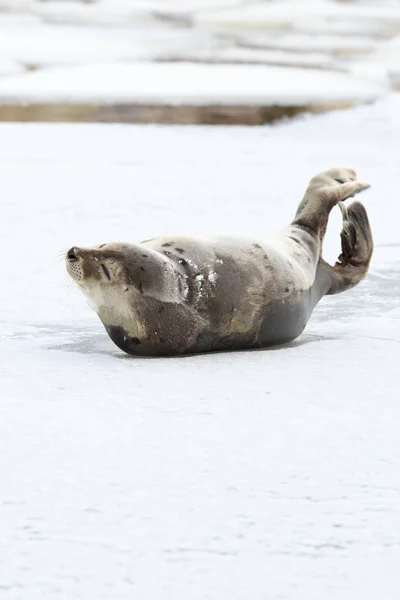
(105, 271)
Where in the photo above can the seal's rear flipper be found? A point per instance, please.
(357, 247)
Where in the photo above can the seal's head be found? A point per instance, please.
(116, 278)
(107, 275)
(129, 286)
(99, 268)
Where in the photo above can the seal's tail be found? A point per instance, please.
(357, 247)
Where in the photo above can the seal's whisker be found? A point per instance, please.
(68, 281)
(60, 255)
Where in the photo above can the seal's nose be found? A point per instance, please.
(71, 255)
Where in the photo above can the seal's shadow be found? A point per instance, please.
(100, 344)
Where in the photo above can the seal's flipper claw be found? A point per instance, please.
(357, 247)
(348, 238)
(357, 188)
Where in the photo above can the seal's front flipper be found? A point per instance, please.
(349, 190)
(324, 191)
(357, 247)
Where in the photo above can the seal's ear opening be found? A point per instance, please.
(357, 247)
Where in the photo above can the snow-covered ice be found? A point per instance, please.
(42, 44)
(308, 52)
(189, 84)
(266, 15)
(264, 475)
(9, 67)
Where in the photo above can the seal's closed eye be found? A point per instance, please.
(106, 272)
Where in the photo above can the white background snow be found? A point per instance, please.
(268, 475)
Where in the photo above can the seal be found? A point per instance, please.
(176, 295)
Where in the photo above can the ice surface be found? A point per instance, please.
(328, 35)
(188, 84)
(9, 67)
(270, 474)
(44, 45)
(267, 15)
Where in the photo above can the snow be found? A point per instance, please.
(45, 45)
(243, 51)
(270, 474)
(297, 42)
(261, 15)
(389, 56)
(9, 67)
(251, 55)
(100, 12)
(187, 84)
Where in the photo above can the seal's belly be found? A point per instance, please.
(257, 326)
(247, 296)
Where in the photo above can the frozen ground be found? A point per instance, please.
(270, 475)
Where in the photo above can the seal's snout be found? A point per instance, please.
(74, 264)
(71, 254)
